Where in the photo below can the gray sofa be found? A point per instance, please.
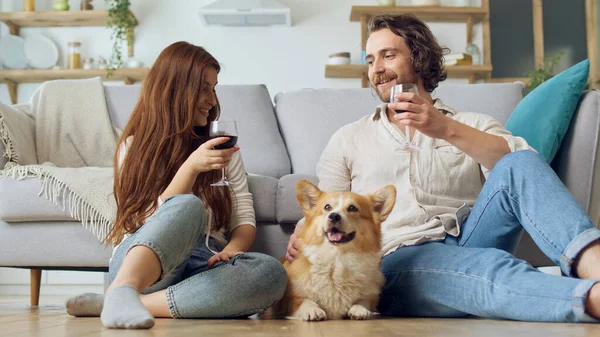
(280, 143)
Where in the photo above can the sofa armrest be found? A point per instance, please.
(577, 161)
(16, 121)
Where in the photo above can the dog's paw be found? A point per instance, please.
(312, 313)
(357, 311)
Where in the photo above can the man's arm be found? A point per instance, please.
(485, 148)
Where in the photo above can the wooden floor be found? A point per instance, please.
(50, 320)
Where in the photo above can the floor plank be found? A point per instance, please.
(18, 319)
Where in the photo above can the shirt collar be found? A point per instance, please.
(437, 103)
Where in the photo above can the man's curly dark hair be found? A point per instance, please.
(427, 55)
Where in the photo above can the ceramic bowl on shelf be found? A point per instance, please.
(11, 52)
(40, 51)
(425, 2)
(339, 58)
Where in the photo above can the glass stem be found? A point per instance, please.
(407, 131)
(223, 174)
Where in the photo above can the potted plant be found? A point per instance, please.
(543, 74)
(121, 23)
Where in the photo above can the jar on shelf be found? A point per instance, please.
(102, 63)
(88, 63)
(74, 55)
(29, 5)
(86, 5)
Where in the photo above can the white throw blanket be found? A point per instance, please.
(64, 137)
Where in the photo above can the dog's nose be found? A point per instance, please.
(334, 217)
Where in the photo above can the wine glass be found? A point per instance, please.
(223, 129)
(408, 145)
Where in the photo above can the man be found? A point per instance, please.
(463, 200)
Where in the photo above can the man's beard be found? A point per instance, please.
(388, 75)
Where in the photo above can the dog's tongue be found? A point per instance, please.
(335, 236)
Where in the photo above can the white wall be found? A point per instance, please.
(283, 58)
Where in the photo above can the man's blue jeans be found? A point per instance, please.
(476, 273)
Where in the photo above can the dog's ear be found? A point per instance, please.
(383, 202)
(307, 194)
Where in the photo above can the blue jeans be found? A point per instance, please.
(245, 285)
(476, 273)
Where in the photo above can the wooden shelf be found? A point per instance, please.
(358, 70)
(428, 14)
(41, 75)
(13, 77)
(91, 18)
(16, 20)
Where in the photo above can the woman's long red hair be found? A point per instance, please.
(162, 126)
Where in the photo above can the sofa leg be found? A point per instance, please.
(35, 279)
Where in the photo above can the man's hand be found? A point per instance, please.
(420, 114)
(223, 256)
(292, 248)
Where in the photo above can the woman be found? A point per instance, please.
(171, 225)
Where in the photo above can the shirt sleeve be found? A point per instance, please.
(492, 126)
(332, 169)
(243, 205)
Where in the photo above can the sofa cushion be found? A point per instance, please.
(544, 115)
(263, 150)
(264, 193)
(20, 200)
(288, 210)
(120, 101)
(272, 239)
(308, 118)
(494, 99)
(51, 244)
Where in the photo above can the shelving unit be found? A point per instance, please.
(468, 15)
(92, 18)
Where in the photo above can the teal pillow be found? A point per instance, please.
(543, 116)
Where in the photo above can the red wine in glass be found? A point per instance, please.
(228, 144)
(223, 129)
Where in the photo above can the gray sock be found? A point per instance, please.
(124, 310)
(85, 305)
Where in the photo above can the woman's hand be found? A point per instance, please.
(206, 158)
(223, 256)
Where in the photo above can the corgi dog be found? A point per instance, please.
(336, 273)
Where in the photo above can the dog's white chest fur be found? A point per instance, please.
(337, 281)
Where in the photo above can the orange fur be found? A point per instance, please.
(333, 281)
